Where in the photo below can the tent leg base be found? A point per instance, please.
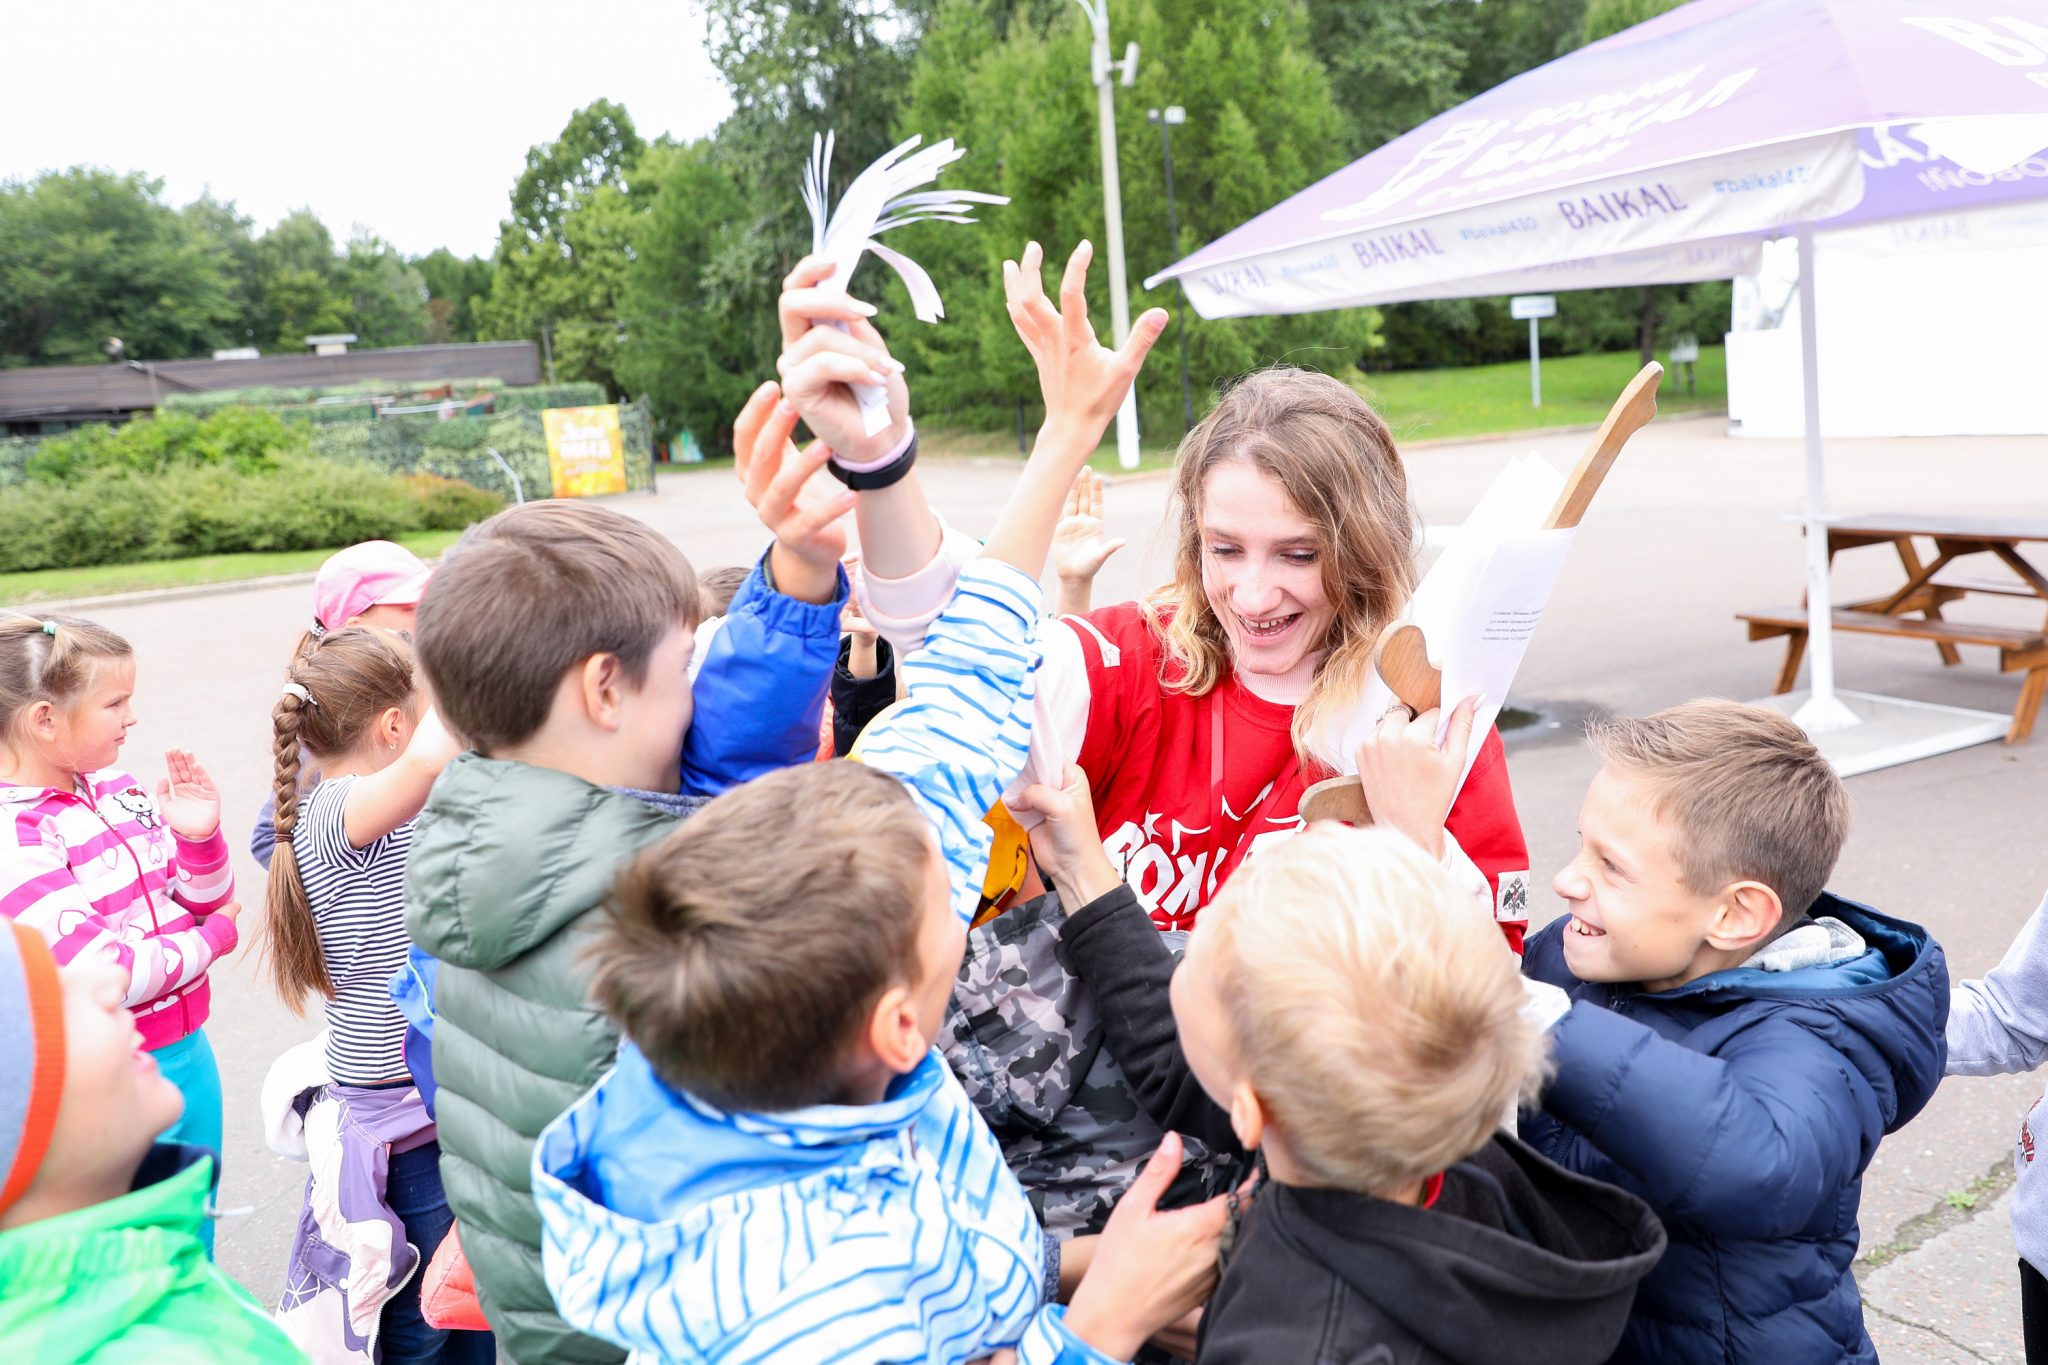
(1888, 731)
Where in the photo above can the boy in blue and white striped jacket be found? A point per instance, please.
(781, 1167)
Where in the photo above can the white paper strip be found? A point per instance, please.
(879, 200)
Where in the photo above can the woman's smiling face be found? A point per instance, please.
(1262, 572)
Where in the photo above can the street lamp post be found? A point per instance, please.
(1168, 119)
(1100, 67)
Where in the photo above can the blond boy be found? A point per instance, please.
(1343, 1014)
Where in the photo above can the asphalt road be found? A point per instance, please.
(1690, 529)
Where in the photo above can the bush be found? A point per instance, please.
(113, 515)
(534, 397)
(450, 504)
(246, 440)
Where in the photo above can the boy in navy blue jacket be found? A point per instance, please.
(1737, 1039)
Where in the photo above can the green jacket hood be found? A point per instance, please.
(128, 1281)
(505, 855)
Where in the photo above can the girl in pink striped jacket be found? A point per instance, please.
(98, 866)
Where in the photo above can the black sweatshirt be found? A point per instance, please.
(1112, 944)
(1517, 1258)
(856, 701)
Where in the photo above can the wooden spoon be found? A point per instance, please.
(1401, 655)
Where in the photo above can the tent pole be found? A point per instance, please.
(1823, 710)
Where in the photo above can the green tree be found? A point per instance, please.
(90, 255)
(299, 290)
(1605, 17)
(689, 253)
(1394, 63)
(563, 254)
(456, 285)
(387, 297)
(228, 238)
(1261, 123)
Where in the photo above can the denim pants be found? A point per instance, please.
(413, 1189)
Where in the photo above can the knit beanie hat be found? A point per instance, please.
(31, 1076)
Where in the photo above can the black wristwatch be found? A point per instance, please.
(862, 481)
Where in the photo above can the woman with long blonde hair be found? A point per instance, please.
(1193, 713)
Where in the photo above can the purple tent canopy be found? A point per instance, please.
(1668, 153)
(1662, 154)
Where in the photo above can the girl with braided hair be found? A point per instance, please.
(355, 705)
(101, 867)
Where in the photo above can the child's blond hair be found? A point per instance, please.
(1375, 1008)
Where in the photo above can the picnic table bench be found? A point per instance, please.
(1915, 610)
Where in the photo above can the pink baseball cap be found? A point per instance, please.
(375, 573)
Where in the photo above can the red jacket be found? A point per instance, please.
(1186, 787)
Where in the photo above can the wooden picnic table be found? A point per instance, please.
(1915, 609)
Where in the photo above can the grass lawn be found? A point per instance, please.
(1432, 405)
(56, 585)
(946, 443)
(1427, 405)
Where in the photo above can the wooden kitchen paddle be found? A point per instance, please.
(1401, 654)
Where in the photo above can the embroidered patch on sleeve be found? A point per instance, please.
(1511, 902)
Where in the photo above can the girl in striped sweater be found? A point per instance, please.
(336, 921)
(96, 864)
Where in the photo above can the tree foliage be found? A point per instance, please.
(456, 285)
(90, 255)
(652, 268)
(563, 255)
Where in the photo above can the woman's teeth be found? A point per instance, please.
(1579, 926)
(1268, 628)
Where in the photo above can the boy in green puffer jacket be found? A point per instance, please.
(100, 1256)
(558, 638)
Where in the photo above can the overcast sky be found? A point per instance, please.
(412, 119)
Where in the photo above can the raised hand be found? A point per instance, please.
(1079, 549)
(1152, 1266)
(863, 659)
(1410, 782)
(1066, 843)
(819, 364)
(1083, 381)
(809, 537)
(187, 797)
(433, 745)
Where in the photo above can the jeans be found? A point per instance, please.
(413, 1189)
(189, 1065)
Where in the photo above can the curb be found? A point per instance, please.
(145, 595)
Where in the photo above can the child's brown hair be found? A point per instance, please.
(718, 587)
(50, 658)
(337, 690)
(529, 594)
(1746, 793)
(742, 953)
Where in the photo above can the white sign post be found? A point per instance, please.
(1532, 307)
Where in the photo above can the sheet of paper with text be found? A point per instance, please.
(1479, 605)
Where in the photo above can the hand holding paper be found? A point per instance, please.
(873, 204)
(1410, 778)
(819, 364)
